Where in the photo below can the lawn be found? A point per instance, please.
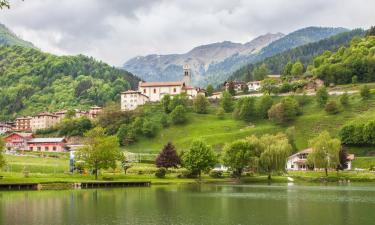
(217, 132)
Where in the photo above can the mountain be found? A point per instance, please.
(7, 37)
(169, 67)
(32, 81)
(215, 62)
(304, 53)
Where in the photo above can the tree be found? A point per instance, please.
(125, 163)
(238, 155)
(371, 31)
(285, 111)
(227, 102)
(365, 92)
(165, 103)
(231, 88)
(354, 79)
(178, 100)
(199, 158)
(100, 151)
(210, 90)
(269, 86)
(149, 128)
(322, 96)
(290, 133)
(220, 113)
(275, 151)
(245, 109)
(331, 107)
(344, 99)
(4, 4)
(297, 69)
(325, 152)
(262, 106)
(168, 157)
(245, 89)
(2, 147)
(200, 103)
(287, 70)
(178, 115)
(260, 72)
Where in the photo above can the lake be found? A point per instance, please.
(279, 204)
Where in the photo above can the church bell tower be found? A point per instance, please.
(187, 75)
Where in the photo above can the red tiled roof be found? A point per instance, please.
(158, 84)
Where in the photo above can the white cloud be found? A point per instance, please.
(117, 30)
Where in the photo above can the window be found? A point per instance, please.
(54, 148)
(31, 148)
(144, 91)
(174, 90)
(46, 149)
(39, 148)
(154, 90)
(292, 166)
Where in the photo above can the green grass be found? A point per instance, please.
(364, 162)
(18, 164)
(218, 132)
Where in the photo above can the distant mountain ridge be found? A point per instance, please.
(214, 63)
(7, 37)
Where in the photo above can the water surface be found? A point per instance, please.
(352, 204)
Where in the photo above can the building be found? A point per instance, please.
(154, 91)
(298, 161)
(237, 85)
(253, 85)
(77, 114)
(131, 99)
(94, 111)
(43, 120)
(47, 144)
(4, 128)
(23, 124)
(17, 141)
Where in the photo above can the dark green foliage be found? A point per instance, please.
(32, 81)
(297, 69)
(344, 99)
(358, 133)
(231, 89)
(263, 104)
(149, 128)
(74, 126)
(331, 107)
(200, 104)
(285, 111)
(164, 120)
(178, 115)
(210, 90)
(161, 172)
(322, 96)
(245, 109)
(226, 101)
(177, 100)
(371, 31)
(165, 103)
(216, 174)
(365, 92)
(305, 53)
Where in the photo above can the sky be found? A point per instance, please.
(117, 30)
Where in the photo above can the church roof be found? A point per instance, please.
(160, 84)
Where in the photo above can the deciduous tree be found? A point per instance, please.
(201, 104)
(322, 96)
(210, 90)
(226, 102)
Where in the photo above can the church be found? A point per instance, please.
(154, 91)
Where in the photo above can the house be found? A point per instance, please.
(253, 85)
(17, 141)
(4, 128)
(155, 91)
(130, 100)
(94, 111)
(77, 114)
(237, 85)
(298, 161)
(216, 95)
(47, 144)
(23, 124)
(43, 120)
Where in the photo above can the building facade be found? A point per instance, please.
(17, 141)
(94, 111)
(4, 128)
(47, 145)
(43, 120)
(23, 124)
(253, 85)
(130, 100)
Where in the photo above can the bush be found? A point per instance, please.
(245, 109)
(227, 102)
(344, 99)
(358, 133)
(161, 172)
(164, 120)
(216, 174)
(302, 99)
(220, 113)
(322, 96)
(149, 128)
(365, 92)
(178, 115)
(188, 174)
(262, 106)
(284, 111)
(331, 107)
(200, 104)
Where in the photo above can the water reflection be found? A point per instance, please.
(194, 204)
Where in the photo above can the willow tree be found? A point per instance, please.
(275, 151)
(325, 152)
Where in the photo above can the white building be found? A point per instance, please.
(154, 91)
(298, 161)
(253, 85)
(131, 99)
(4, 128)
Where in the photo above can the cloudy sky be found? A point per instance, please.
(117, 30)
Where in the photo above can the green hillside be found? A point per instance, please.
(304, 53)
(7, 37)
(33, 81)
(217, 132)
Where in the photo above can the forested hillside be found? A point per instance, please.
(32, 81)
(304, 54)
(7, 37)
(349, 64)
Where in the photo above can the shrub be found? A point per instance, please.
(149, 128)
(164, 120)
(331, 107)
(344, 99)
(188, 174)
(245, 109)
(302, 99)
(200, 104)
(263, 105)
(358, 133)
(322, 96)
(227, 102)
(220, 113)
(365, 92)
(178, 115)
(284, 111)
(216, 174)
(161, 172)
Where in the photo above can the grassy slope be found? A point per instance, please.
(218, 132)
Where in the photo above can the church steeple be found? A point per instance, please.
(187, 75)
